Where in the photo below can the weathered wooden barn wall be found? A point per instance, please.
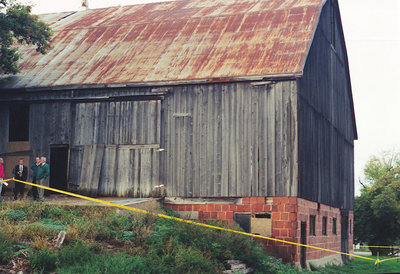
(230, 140)
(127, 163)
(113, 135)
(326, 118)
(219, 140)
(49, 123)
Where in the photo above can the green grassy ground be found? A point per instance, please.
(98, 240)
(364, 266)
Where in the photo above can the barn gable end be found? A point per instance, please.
(327, 127)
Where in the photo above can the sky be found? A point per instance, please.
(372, 34)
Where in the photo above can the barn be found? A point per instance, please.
(240, 110)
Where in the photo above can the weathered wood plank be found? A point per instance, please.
(271, 142)
(225, 124)
(75, 166)
(90, 170)
(124, 171)
(108, 175)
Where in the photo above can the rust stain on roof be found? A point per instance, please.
(174, 41)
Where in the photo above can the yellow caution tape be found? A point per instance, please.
(191, 222)
(3, 181)
(389, 259)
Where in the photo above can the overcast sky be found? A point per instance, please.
(372, 32)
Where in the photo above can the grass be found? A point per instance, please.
(98, 240)
(363, 266)
(6, 249)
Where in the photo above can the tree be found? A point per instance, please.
(18, 27)
(377, 209)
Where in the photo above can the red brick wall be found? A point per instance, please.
(330, 241)
(287, 215)
(284, 227)
(224, 211)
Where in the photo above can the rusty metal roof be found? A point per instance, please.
(200, 40)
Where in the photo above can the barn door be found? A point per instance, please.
(116, 147)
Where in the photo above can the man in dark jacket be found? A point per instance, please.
(20, 173)
(34, 169)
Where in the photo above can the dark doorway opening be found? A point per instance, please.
(344, 228)
(303, 241)
(59, 158)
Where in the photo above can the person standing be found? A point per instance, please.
(20, 173)
(1, 174)
(42, 176)
(34, 169)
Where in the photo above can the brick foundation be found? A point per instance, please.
(287, 214)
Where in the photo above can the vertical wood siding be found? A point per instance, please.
(128, 164)
(125, 123)
(230, 140)
(49, 124)
(114, 145)
(326, 121)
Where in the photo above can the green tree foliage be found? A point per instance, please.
(377, 209)
(18, 27)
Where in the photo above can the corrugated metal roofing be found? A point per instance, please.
(174, 41)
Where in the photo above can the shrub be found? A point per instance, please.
(15, 214)
(192, 260)
(52, 211)
(40, 242)
(6, 249)
(53, 225)
(43, 228)
(75, 253)
(116, 264)
(44, 260)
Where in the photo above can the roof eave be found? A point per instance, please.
(288, 76)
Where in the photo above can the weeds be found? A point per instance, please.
(15, 214)
(99, 240)
(6, 249)
(44, 260)
(40, 242)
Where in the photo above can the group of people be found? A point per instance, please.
(40, 174)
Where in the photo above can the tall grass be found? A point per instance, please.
(6, 249)
(99, 240)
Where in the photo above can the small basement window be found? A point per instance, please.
(261, 224)
(18, 123)
(334, 226)
(256, 223)
(243, 220)
(324, 225)
(312, 225)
